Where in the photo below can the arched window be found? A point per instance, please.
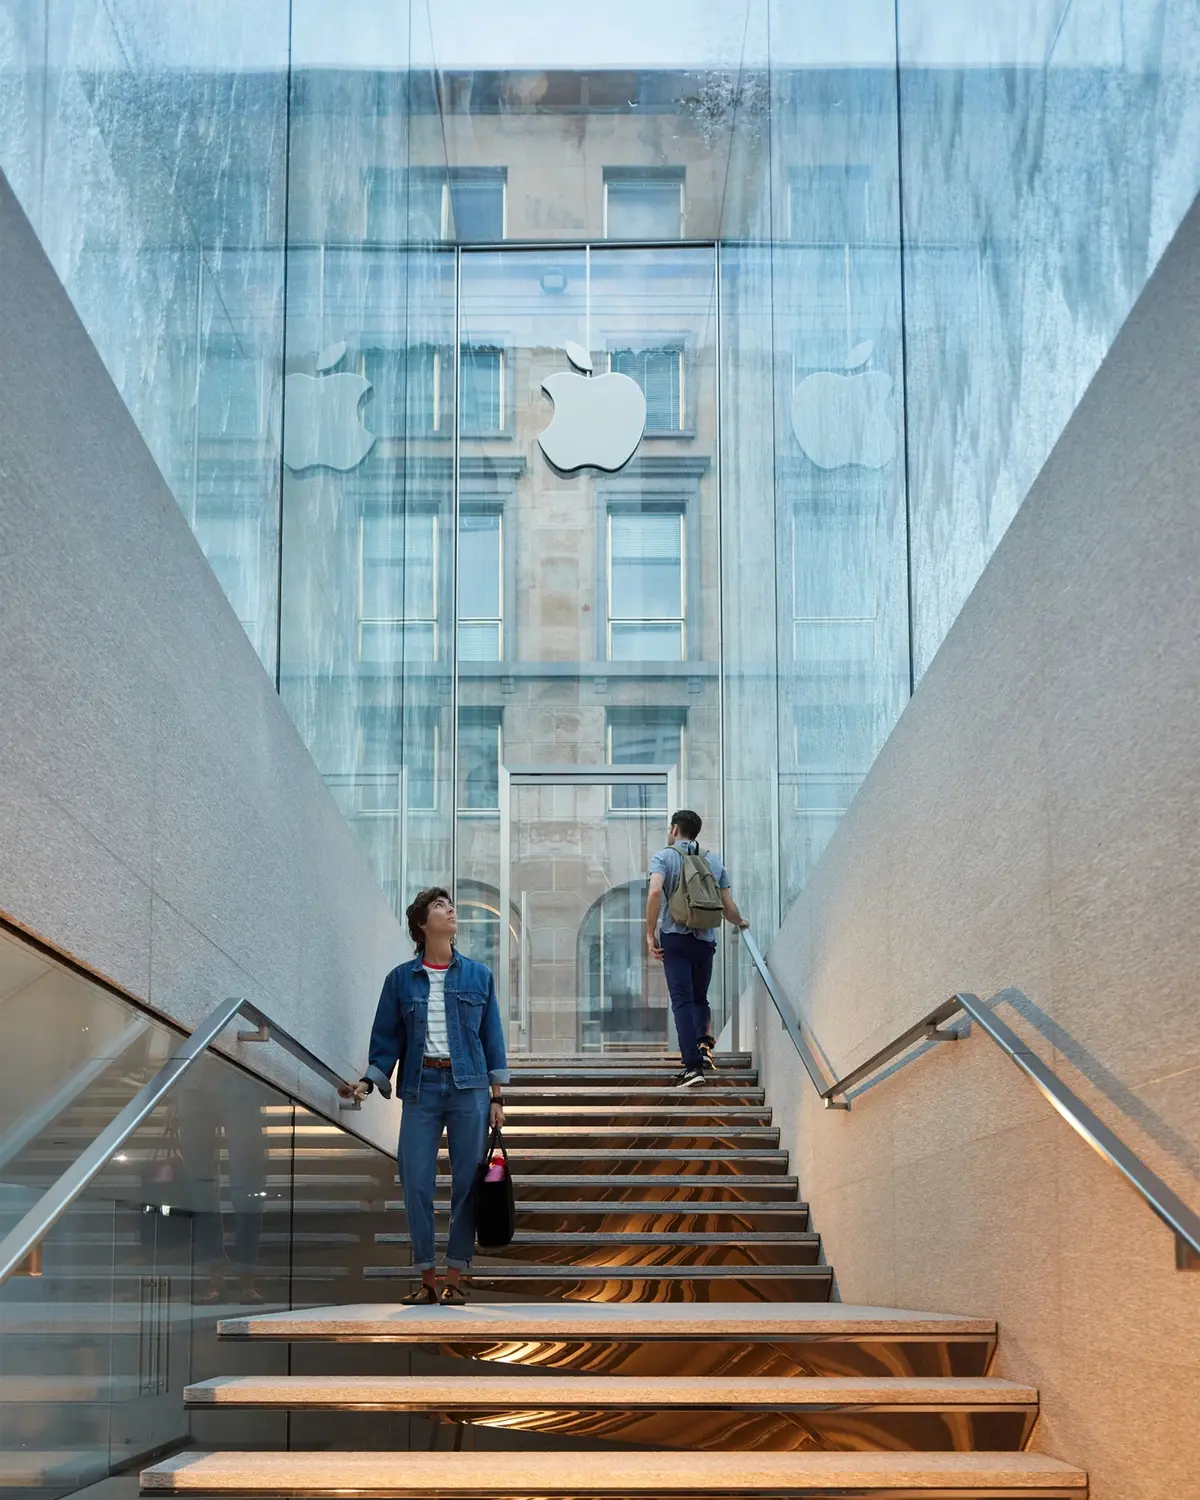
(623, 997)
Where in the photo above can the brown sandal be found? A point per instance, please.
(452, 1296)
(421, 1296)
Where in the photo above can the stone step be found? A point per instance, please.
(728, 1220)
(714, 1095)
(674, 1412)
(657, 1338)
(643, 1120)
(652, 1137)
(532, 1161)
(613, 1472)
(662, 1077)
(669, 1187)
(692, 1282)
(588, 1061)
(644, 1249)
(549, 1238)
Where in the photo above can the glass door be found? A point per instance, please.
(573, 956)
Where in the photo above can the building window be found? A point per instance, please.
(477, 204)
(481, 390)
(479, 741)
(643, 737)
(408, 390)
(659, 372)
(480, 586)
(426, 203)
(829, 204)
(643, 205)
(397, 615)
(645, 585)
(398, 747)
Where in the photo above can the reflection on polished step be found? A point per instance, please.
(680, 1412)
(659, 1326)
(57, 1469)
(613, 1472)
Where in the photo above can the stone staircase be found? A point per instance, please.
(659, 1327)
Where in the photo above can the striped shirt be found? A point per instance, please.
(437, 1043)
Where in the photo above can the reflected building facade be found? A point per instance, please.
(862, 276)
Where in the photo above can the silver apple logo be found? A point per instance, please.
(598, 419)
(843, 419)
(322, 427)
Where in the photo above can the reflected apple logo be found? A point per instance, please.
(322, 428)
(598, 419)
(843, 419)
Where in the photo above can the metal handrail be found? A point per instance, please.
(1182, 1221)
(22, 1240)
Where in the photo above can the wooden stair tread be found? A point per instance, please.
(503, 1270)
(622, 1320)
(614, 1207)
(609, 1472)
(650, 1179)
(640, 1237)
(456, 1392)
(590, 1132)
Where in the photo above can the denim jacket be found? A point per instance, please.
(473, 1028)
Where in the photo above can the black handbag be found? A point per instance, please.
(495, 1203)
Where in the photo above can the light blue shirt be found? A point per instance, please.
(669, 864)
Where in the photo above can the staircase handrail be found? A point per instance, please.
(19, 1243)
(1182, 1221)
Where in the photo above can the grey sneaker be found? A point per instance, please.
(689, 1078)
(706, 1059)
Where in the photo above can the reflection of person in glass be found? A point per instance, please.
(438, 1021)
(216, 1108)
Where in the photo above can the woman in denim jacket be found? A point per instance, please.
(439, 1024)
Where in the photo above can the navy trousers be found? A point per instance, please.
(463, 1115)
(688, 966)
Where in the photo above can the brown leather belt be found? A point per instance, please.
(436, 1062)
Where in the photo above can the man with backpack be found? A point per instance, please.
(696, 891)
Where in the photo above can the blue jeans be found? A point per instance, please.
(688, 966)
(463, 1114)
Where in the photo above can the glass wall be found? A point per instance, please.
(1049, 152)
(147, 143)
(837, 389)
(369, 438)
(228, 1198)
(860, 263)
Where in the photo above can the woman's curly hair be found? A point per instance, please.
(417, 913)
